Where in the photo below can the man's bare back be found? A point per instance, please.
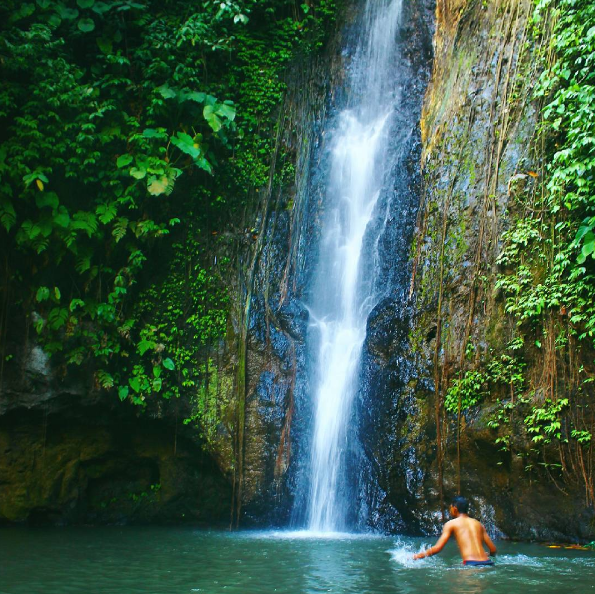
(469, 533)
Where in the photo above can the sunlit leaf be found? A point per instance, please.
(124, 160)
(158, 185)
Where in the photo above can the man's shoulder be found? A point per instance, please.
(461, 522)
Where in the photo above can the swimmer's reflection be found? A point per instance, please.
(469, 580)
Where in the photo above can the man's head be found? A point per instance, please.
(460, 505)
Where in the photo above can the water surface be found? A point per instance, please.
(182, 561)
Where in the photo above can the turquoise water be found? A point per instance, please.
(179, 561)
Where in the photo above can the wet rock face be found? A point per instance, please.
(279, 405)
(62, 469)
(478, 125)
(70, 454)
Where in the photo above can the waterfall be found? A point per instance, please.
(345, 288)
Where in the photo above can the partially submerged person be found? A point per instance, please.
(470, 534)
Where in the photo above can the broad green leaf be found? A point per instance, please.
(196, 96)
(144, 345)
(104, 44)
(86, 25)
(137, 173)
(25, 10)
(212, 118)
(124, 160)
(39, 325)
(152, 133)
(101, 7)
(123, 392)
(588, 248)
(33, 177)
(227, 111)
(67, 14)
(57, 317)
(54, 21)
(57, 293)
(47, 199)
(169, 364)
(85, 3)
(583, 230)
(135, 383)
(166, 92)
(43, 293)
(186, 144)
(204, 164)
(62, 218)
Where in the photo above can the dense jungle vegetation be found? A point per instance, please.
(544, 377)
(135, 135)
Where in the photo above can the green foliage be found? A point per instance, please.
(133, 133)
(505, 370)
(545, 421)
(549, 256)
(465, 392)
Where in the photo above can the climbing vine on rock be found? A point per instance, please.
(548, 257)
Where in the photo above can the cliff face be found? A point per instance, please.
(481, 157)
(69, 453)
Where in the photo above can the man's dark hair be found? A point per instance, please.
(461, 504)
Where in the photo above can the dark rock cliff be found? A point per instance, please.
(479, 151)
(69, 453)
(279, 406)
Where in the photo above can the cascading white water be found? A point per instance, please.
(345, 291)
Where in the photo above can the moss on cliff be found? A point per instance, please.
(484, 173)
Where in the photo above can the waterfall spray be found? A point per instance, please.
(345, 289)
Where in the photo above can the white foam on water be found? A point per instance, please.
(311, 535)
(402, 554)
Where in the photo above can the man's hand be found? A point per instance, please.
(424, 554)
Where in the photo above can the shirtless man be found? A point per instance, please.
(470, 535)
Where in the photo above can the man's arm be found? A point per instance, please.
(446, 534)
(489, 542)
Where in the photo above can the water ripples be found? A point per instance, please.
(180, 561)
